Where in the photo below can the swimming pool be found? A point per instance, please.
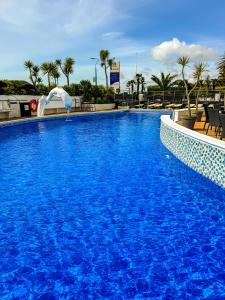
(98, 208)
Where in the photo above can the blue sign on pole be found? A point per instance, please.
(114, 77)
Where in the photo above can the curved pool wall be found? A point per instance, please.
(202, 153)
(57, 116)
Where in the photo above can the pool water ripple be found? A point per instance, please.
(98, 208)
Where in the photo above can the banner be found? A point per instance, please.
(115, 76)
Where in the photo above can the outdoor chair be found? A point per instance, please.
(206, 109)
(222, 120)
(214, 120)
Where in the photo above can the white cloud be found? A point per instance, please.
(168, 52)
(19, 13)
(129, 50)
(112, 35)
(88, 15)
(43, 30)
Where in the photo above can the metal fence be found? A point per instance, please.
(169, 97)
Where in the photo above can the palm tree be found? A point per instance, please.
(106, 62)
(207, 84)
(214, 82)
(55, 74)
(129, 86)
(184, 61)
(33, 72)
(48, 69)
(132, 82)
(165, 82)
(138, 82)
(28, 66)
(35, 75)
(86, 89)
(66, 67)
(221, 67)
(142, 84)
(198, 72)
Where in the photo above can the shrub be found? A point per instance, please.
(17, 87)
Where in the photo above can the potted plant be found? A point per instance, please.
(199, 70)
(189, 120)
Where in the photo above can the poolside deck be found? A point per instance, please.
(199, 127)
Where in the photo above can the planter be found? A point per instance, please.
(106, 106)
(189, 122)
(198, 116)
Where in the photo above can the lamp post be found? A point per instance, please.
(96, 74)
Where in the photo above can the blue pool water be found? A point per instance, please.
(97, 208)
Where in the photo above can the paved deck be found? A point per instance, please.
(199, 127)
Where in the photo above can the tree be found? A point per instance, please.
(33, 73)
(29, 66)
(48, 69)
(215, 82)
(199, 69)
(86, 89)
(165, 82)
(198, 72)
(98, 91)
(221, 68)
(55, 74)
(17, 87)
(130, 85)
(138, 82)
(66, 67)
(184, 61)
(142, 84)
(106, 62)
(3, 85)
(207, 84)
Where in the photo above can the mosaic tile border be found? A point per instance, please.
(204, 154)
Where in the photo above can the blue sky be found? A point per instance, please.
(157, 30)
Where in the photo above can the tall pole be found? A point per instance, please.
(96, 74)
(136, 62)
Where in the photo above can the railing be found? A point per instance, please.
(168, 97)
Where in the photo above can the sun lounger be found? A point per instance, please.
(139, 106)
(155, 105)
(174, 106)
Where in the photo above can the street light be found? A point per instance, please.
(96, 75)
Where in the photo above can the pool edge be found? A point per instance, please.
(203, 154)
(58, 116)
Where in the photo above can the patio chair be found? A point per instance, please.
(214, 120)
(206, 109)
(222, 120)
